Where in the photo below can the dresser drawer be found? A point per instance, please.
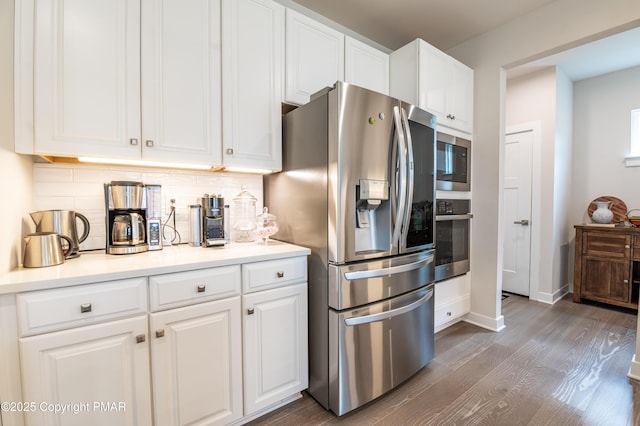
(62, 308)
(186, 288)
(604, 244)
(273, 273)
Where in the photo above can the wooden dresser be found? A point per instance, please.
(607, 265)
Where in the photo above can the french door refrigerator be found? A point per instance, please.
(357, 188)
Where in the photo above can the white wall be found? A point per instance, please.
(602, 134)
(560, 25)
(15, 190)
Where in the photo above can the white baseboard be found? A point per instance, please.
(493, 324)
(552, 298)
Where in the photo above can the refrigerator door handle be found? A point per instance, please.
(409, 181)
(402, 175)
(366, 319)
(373, 273)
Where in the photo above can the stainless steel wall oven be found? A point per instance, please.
(453, 223)
(453, 163)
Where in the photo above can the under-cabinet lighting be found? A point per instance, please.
(248, 170)
(142, 163)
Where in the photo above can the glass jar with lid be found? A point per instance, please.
(244, 216)
(266, 225)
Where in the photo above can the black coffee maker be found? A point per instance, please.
(212, 221)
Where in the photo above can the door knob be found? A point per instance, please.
(523, 222)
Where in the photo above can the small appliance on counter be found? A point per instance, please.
(44, 249)
(64, 223)
(212, 221)
(133, 215)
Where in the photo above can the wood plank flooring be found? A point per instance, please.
(564, 364)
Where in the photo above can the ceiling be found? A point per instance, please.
(447, 23)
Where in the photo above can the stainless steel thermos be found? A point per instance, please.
(195, 225)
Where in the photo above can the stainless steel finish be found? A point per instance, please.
(523, 222)
(63, 222)
(126, 195)
(149, 143)
(343, 193)
(366, 282)
(453, 217)
(456, 186)
(85, 307)
(449, 270)
(398, 330)
(141, 338)
(133, 141)
(408, 184)
(153, 195)
(213, 225)
(451, 211)
(250, 311)
(229, 151)
(159, 333)
(201, 288)
(280, 274)
(43, 249)
(195, 225)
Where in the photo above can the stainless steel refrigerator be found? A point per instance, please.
(357, 188)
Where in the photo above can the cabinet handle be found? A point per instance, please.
(625, 281)
(160, 333)
(448, 314)
(230, 151)
(149, 143)
(201, 288)
(250, 311)
(85, 307)
(133, 141)
(627, 246)
(140, 338)
(280, 274)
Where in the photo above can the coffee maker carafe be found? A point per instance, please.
(133, 217)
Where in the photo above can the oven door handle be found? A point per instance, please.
(374, 273)
(444, 217)
(389, 314)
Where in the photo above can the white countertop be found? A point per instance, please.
(96, 266)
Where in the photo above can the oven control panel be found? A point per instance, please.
(450, 207)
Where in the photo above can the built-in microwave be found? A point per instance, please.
(453, 163)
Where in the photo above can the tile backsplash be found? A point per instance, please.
(81, 188)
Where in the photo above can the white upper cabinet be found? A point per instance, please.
(253, 57)
(433, 80)
(123, 78)
(366, 66)
(314, 57)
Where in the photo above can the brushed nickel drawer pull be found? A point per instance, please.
(160, 333)
(85, 307)
(280, 274)
(250, 311)
(140, 338)
(201, 288)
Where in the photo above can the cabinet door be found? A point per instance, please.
(606, 279)
(462, 98)
(100, 373)
(435, 81)
(86, 77)
(314, 57)
(275, 345)
(366, 66)
(196, 360)
(181, 93)
(253, 36)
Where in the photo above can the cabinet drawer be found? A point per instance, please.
(606, 245)
(57, 309)
(273, 273)
(186, 288)
(451, 310)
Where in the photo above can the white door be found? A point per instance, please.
(275, 345)
(196, 364)
(517, 212)
(99, 373)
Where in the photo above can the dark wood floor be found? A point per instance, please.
(564, 364)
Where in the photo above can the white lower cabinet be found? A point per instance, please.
(275, 345)
(98, 374)
(452, 300)
(196, 358)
